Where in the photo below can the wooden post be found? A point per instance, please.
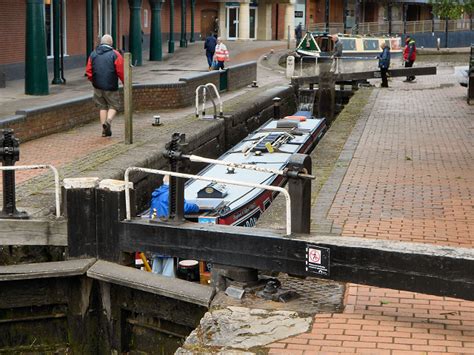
(127, 98)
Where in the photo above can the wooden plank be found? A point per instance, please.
(425, 268)
(45, 270)
(152, 283)
(33, 232)
(342, 77)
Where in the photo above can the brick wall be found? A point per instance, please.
(241, 75)
(38, 122)
(12, 29)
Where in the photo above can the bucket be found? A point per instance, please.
(188, 270)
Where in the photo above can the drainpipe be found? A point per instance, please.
(36, 70)
(182, 42)
(345, 12)
(56, 45)
(389, 15)
(193, 6)
(89, 29)
(156, 51)
(171, 38)
(135, 31)
(327, 15)
(114, 23)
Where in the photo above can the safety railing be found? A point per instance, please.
(34, 167)
(210, 179)
(204, 89)
(411, 27)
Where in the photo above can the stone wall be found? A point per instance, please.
(41, 121)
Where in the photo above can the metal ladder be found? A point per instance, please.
(204, 89)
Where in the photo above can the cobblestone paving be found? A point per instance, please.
(411, 178)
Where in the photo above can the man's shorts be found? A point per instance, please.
(105, 100)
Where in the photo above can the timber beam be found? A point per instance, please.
(425, 268)
(374, 74)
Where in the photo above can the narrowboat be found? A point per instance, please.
(321, 46)
(270, 146)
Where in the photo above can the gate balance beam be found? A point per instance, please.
(441, 271)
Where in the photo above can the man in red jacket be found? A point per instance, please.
(104, 68)
(409, 56)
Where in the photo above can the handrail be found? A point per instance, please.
(216, 92)
(42, 166)
(204, 178)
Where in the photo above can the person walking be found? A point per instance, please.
(163, 264)
(210, 47)
(221, 54)
(384, 63)
(298, 33)
(409, 56)
(336, 54)
(104, 68)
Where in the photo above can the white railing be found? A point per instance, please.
(205, 88)
(34, 167)
(210, 179)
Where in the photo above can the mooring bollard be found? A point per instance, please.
(276, 108)
(9, 154)
(300, 192)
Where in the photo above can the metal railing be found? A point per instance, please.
(34, 167)
(334, 27)
(411, 27)
(204, 89)
(210, 179)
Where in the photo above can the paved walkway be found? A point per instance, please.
(411, 178)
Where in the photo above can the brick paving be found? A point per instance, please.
(411, 178)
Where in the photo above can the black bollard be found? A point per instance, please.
(276, 108)
(300, 193)
(9, 154)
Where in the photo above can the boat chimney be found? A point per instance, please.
(276, 108)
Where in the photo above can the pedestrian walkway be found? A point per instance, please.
(411, 178)
(184, 62)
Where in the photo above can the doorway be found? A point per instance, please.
(208, 22)
(233, 22)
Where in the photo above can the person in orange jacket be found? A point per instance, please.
(221, 54)
(409, 56)
(104, 68)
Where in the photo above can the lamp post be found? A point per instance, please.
(171, 37)
(193, 6)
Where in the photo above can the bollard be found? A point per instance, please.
(300, 192)
(470, 78)
(290, 66)
(276, 108)
(9, 154)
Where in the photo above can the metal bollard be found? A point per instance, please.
(9, 154)
(276, 108)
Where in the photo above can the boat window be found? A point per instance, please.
(325, 44)
(371, 44)
(348, 44)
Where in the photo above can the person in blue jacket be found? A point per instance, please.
(384, 63)
(210, 47)
(163, 264)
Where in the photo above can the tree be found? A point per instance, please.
(468, 7)
(447, 9)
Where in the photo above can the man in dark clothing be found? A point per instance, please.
(104, 68)
(409, 56)
(336, 54)
(210, 47)
(384, 63)
(298, 33)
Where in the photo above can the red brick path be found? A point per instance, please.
(411, 179)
